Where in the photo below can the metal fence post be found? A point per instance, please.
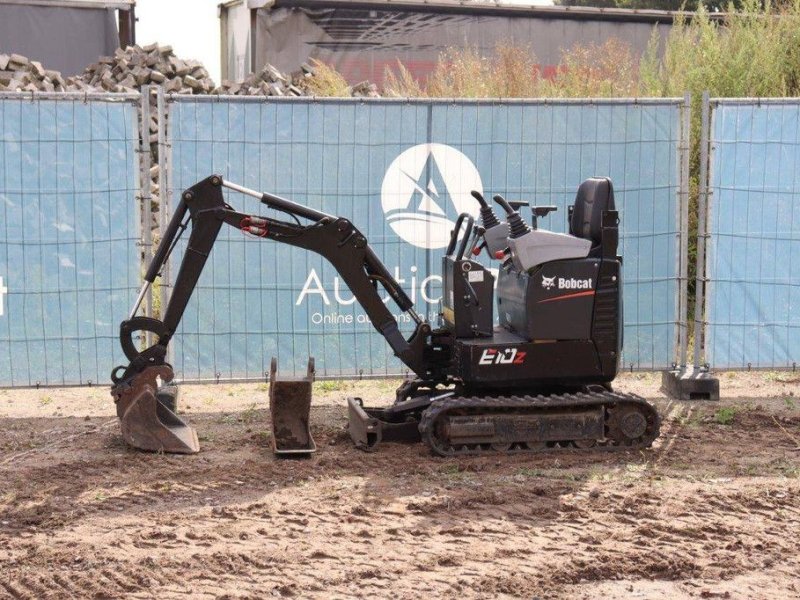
(684, 226)
(163, 194)
(165, 183)
(689, 383)
(702, 204)
(145, 195)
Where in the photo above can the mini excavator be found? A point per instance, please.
(540, 380)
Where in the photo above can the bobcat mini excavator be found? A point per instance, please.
(539, 380)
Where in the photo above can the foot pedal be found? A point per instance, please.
(146, 421)
(290, 409)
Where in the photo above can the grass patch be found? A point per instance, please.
(788, 469)
(693, 419)
(250, 414)
(725, 416)
(746, 469)
(529, 472)
(227, 419)
(454, 472)
(247, 416)
(450, 469)
(261, 437)
(331, 385)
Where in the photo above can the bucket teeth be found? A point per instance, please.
(290, 408)
(147, 420)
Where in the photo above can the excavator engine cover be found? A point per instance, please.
(290, 408)
(147, 417)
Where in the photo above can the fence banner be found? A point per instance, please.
(753, 265)
(69, 266)
(402, 171)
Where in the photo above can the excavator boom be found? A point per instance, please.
(203, 207)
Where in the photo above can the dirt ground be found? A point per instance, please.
(712, 511)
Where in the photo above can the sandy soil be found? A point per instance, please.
(712, 511)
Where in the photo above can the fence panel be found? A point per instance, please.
(753, 258)
(69, 266)
(402, 171)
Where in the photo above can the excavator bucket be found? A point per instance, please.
(147, 417)
(290, 408)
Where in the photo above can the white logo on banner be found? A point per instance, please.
(418, 187)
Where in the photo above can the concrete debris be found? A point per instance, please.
(126, 71)
(135, 66)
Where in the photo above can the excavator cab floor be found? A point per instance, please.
(146, 414)
(290, 409)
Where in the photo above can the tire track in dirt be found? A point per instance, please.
(96, 520)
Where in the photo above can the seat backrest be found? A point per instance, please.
(594, 196)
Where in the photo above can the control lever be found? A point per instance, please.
(495, 234)
(517, 227)
(487, 214)
(478, 232)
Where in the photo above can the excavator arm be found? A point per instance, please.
(334, 238)
(148, 423)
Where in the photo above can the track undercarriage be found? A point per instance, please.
(454, 424)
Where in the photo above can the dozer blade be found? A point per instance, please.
(368, 427)
(146, 422)
(290, 409)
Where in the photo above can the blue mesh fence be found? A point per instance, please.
(401, 171)
(69, 265)
(753, 290)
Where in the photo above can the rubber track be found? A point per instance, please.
(477, 405)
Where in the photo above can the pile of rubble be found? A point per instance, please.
(271, 82)
(134, 67)
(129, 69)
(18, 73)
(268, 82)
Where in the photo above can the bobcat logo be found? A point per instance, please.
(548, 283)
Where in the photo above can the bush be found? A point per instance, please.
(753, 52)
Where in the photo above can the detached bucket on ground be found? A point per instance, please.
(290, 409)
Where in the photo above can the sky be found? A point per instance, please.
(191, 27)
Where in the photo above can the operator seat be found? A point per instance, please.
(595, 195)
